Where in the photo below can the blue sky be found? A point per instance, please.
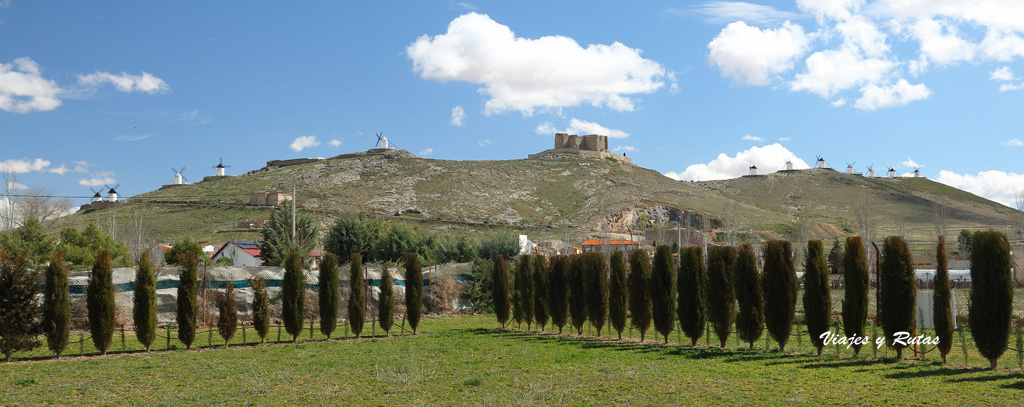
(121, 92)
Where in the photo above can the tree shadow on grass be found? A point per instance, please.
(987, 378)
(1019, 385)
(939, 371)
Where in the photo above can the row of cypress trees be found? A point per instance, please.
(729, 292)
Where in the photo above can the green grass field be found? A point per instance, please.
(468, 361)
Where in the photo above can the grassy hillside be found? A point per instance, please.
(548, 193)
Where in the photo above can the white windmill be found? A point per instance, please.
(917, 173)
(112, 193)
(871, 171)
(178, 178)
(382, 142)
(892, 172)
(789, 165)
(821, 162)
(849, 167)
(96, 196)
(753, 170)
(220, 167)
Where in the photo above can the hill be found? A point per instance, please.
(551, 191)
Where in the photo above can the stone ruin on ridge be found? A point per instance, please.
(591, 145)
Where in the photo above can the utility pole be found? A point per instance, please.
(293, 213)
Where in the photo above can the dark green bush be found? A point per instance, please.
(227, 320)
(357, 294)
(692, 293)
(413, 290)
(500, 289)
(747, 281)
(639, 297)
(817, 294)
(595, 287)
(386, 304)
(540, 290)
(856, 279)
(19, 314)
(721, 296)
(260, 307)
(577, 293)
(523, 295)
(780, 290)
(144, 310)
(99, 297)
(942, 312)
(991, 306)
(662, 291)
(618, 288)
(558, 291)
(327, 294)
(899, 290)
(293, 295)
(57, 305)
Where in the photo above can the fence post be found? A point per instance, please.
(279, 333)
(243, 335)
(209, 337)
(123, 349)
(310, 329)
(169, 328)
(81, 344)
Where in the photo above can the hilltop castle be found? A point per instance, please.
(591, 145)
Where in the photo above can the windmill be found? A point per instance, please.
(789, 164)
(821, 161)
(178, 178)
(849, 167)
(917, 172)
(382, 142)
(892, 172)
(220, 167)
(96, 196)
(753, 170)
(112, 192)
(871, 170)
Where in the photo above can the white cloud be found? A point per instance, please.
(23, 88)
(769, 158)
(132, 137)
(126, 83)
(832, 71)
(1013, 143)
(834, 9)
(784, 139)
(484, 143)
(15, 185)
(723, 12)
(751, 56)
(523, 74)
(838, 102)
(911, 163)
(998, 186)
(1001, 74)
(304, 142)
(24, 165)
(860, 33)
(425, 152)
(334, 143)
(943, 49)
(458, 116)
(631, 149)
(63, 169)
(580, 127)
(875, 97)
(98, 179)
(1009, 86)
(751, 138)
(81, 166)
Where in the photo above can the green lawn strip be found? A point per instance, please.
(468, 361)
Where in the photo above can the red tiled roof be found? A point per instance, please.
(253, 252)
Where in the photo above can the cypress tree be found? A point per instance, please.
(500, 288)
(595, 286)
(357, 295)
(855, 300)
(413, 290)
(817, 297)
(100, 302)
(524, 289)
(691, 289)
(750, 319)
(558, 291)
(327, 294)
(260, 307)
(227, 322)
(662, 291)
(577, 293)
(721, 296)
(899, 290)
(57, 305)
(942, 313)
(386, 306)
(991, 294)
(19, 314)
(780, 290)
(639, 297)
(618, 288)
(144, 311)
(293, 295)
(540, 290)
(188, 307)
